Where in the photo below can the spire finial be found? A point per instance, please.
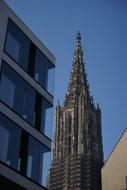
(78, 40)
(78, 83)
(78, 36)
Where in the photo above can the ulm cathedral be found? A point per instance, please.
(78, 149)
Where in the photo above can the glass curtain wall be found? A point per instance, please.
(9, 143)
(32, 159)
(24, 100)
(23, 51)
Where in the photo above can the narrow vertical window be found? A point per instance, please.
(9, 150)
(38, 161)
(17, 45)
(17, 93)
(46, 118)
(44, 72)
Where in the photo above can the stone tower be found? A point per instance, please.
(78, 150)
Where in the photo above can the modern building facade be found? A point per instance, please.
(26, 101)
(78, 150)
(114, 171)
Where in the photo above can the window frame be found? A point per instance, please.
(38, 129)
(29, 136)
(37, 49)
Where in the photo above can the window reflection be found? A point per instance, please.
(15, 51)
(50, 80)
(20, 96)
(45, 169)
(20, 48)
(44, 72)
(47, 118)
(9, 150)
(38, 162)
(17, 45)
(7, 90)
(23, 152)
(17, 94)
(40, 69)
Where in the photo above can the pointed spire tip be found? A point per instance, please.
(78, 36)
(78, 33)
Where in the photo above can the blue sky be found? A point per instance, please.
(103, 26)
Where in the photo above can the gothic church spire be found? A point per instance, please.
(78, 81)
(78, 150)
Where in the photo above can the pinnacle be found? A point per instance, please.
(78, 81)
(78, 37)
(78, 41)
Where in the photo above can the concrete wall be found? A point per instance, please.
(114, 171)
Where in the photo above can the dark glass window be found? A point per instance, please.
(23, 99)
(44, 72)
(23, 152)
(40, 69)
(17, 45)
(17, 94)
(46, 118)
(38, 162)
(50, 79)
(9, 143)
